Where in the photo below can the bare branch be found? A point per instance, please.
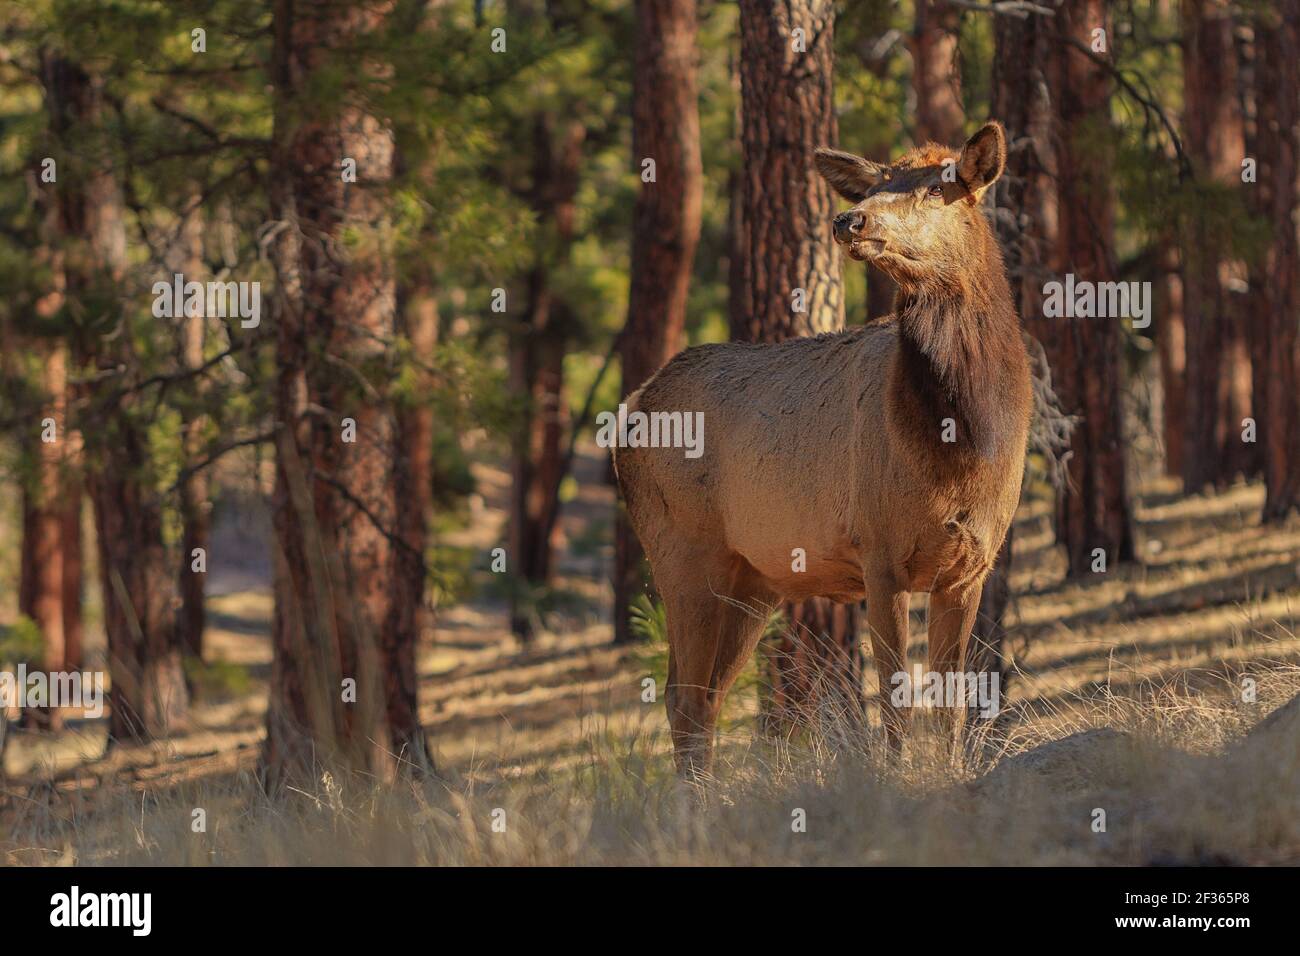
(1020, 9)
(190, 470)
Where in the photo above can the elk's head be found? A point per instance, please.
(917, 218)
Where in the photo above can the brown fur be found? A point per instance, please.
(834, 445)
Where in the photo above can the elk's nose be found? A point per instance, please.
(849, 225)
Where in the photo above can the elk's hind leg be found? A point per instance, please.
(714, 623)
(743, 614)
(952, 616)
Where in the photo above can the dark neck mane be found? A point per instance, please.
(961, 356)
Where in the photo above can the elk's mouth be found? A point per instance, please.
(864, 249)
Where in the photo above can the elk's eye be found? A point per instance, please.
(936, 190)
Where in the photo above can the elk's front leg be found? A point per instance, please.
(887, 620)
(952, 615)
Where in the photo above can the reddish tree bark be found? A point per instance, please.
(1020, 100)
(873, 52)
(73, 563)
(665, 228)
(1084, 355)
(784, 246)
(786, 279)
(936, 75)
(536, 359)
(412, 617)
(1171, 341)
(41, 591)
(195, 491)
(334, 506)
(1277, 84)
(1254, 305)
(1217, 359)
(27, 554)
(148, 697)
(49, 564)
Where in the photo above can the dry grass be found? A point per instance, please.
(1126, 696)
(1177, 778)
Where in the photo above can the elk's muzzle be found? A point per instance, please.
(849, 225)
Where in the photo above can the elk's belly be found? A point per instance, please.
(949, 555)
(834, 572)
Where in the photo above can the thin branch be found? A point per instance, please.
(1020, 9)
(204, 71)
(169, 378)
(207, 129)
(1148, 103)
(357, 503)
(191, 470)
(580, 421)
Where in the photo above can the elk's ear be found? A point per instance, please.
(983, 158)
(850, 176)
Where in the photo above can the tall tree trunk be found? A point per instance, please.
(788, 278)
(1277, 77)
(334, 506)
(42, 592)
(44, 561)
(27, 569)
(787, 281)
(537, 367)
(1171, 341)
(1237, 456)
(70, 443)
(195, 492)
(665, 228)
(72, 492)
(1218, 364)
(1254, 306)
(1094, 511)
(413, 467)
(873, 52)
(1020, 99)
(936, 75)
(73, 567)
(412, 617)
(148, 696)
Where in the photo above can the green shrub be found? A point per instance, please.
(217, 680)
(21, 642)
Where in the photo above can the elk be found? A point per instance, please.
(891, 454)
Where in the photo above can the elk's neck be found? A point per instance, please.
(960, 381)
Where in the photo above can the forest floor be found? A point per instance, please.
(1155, 652)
